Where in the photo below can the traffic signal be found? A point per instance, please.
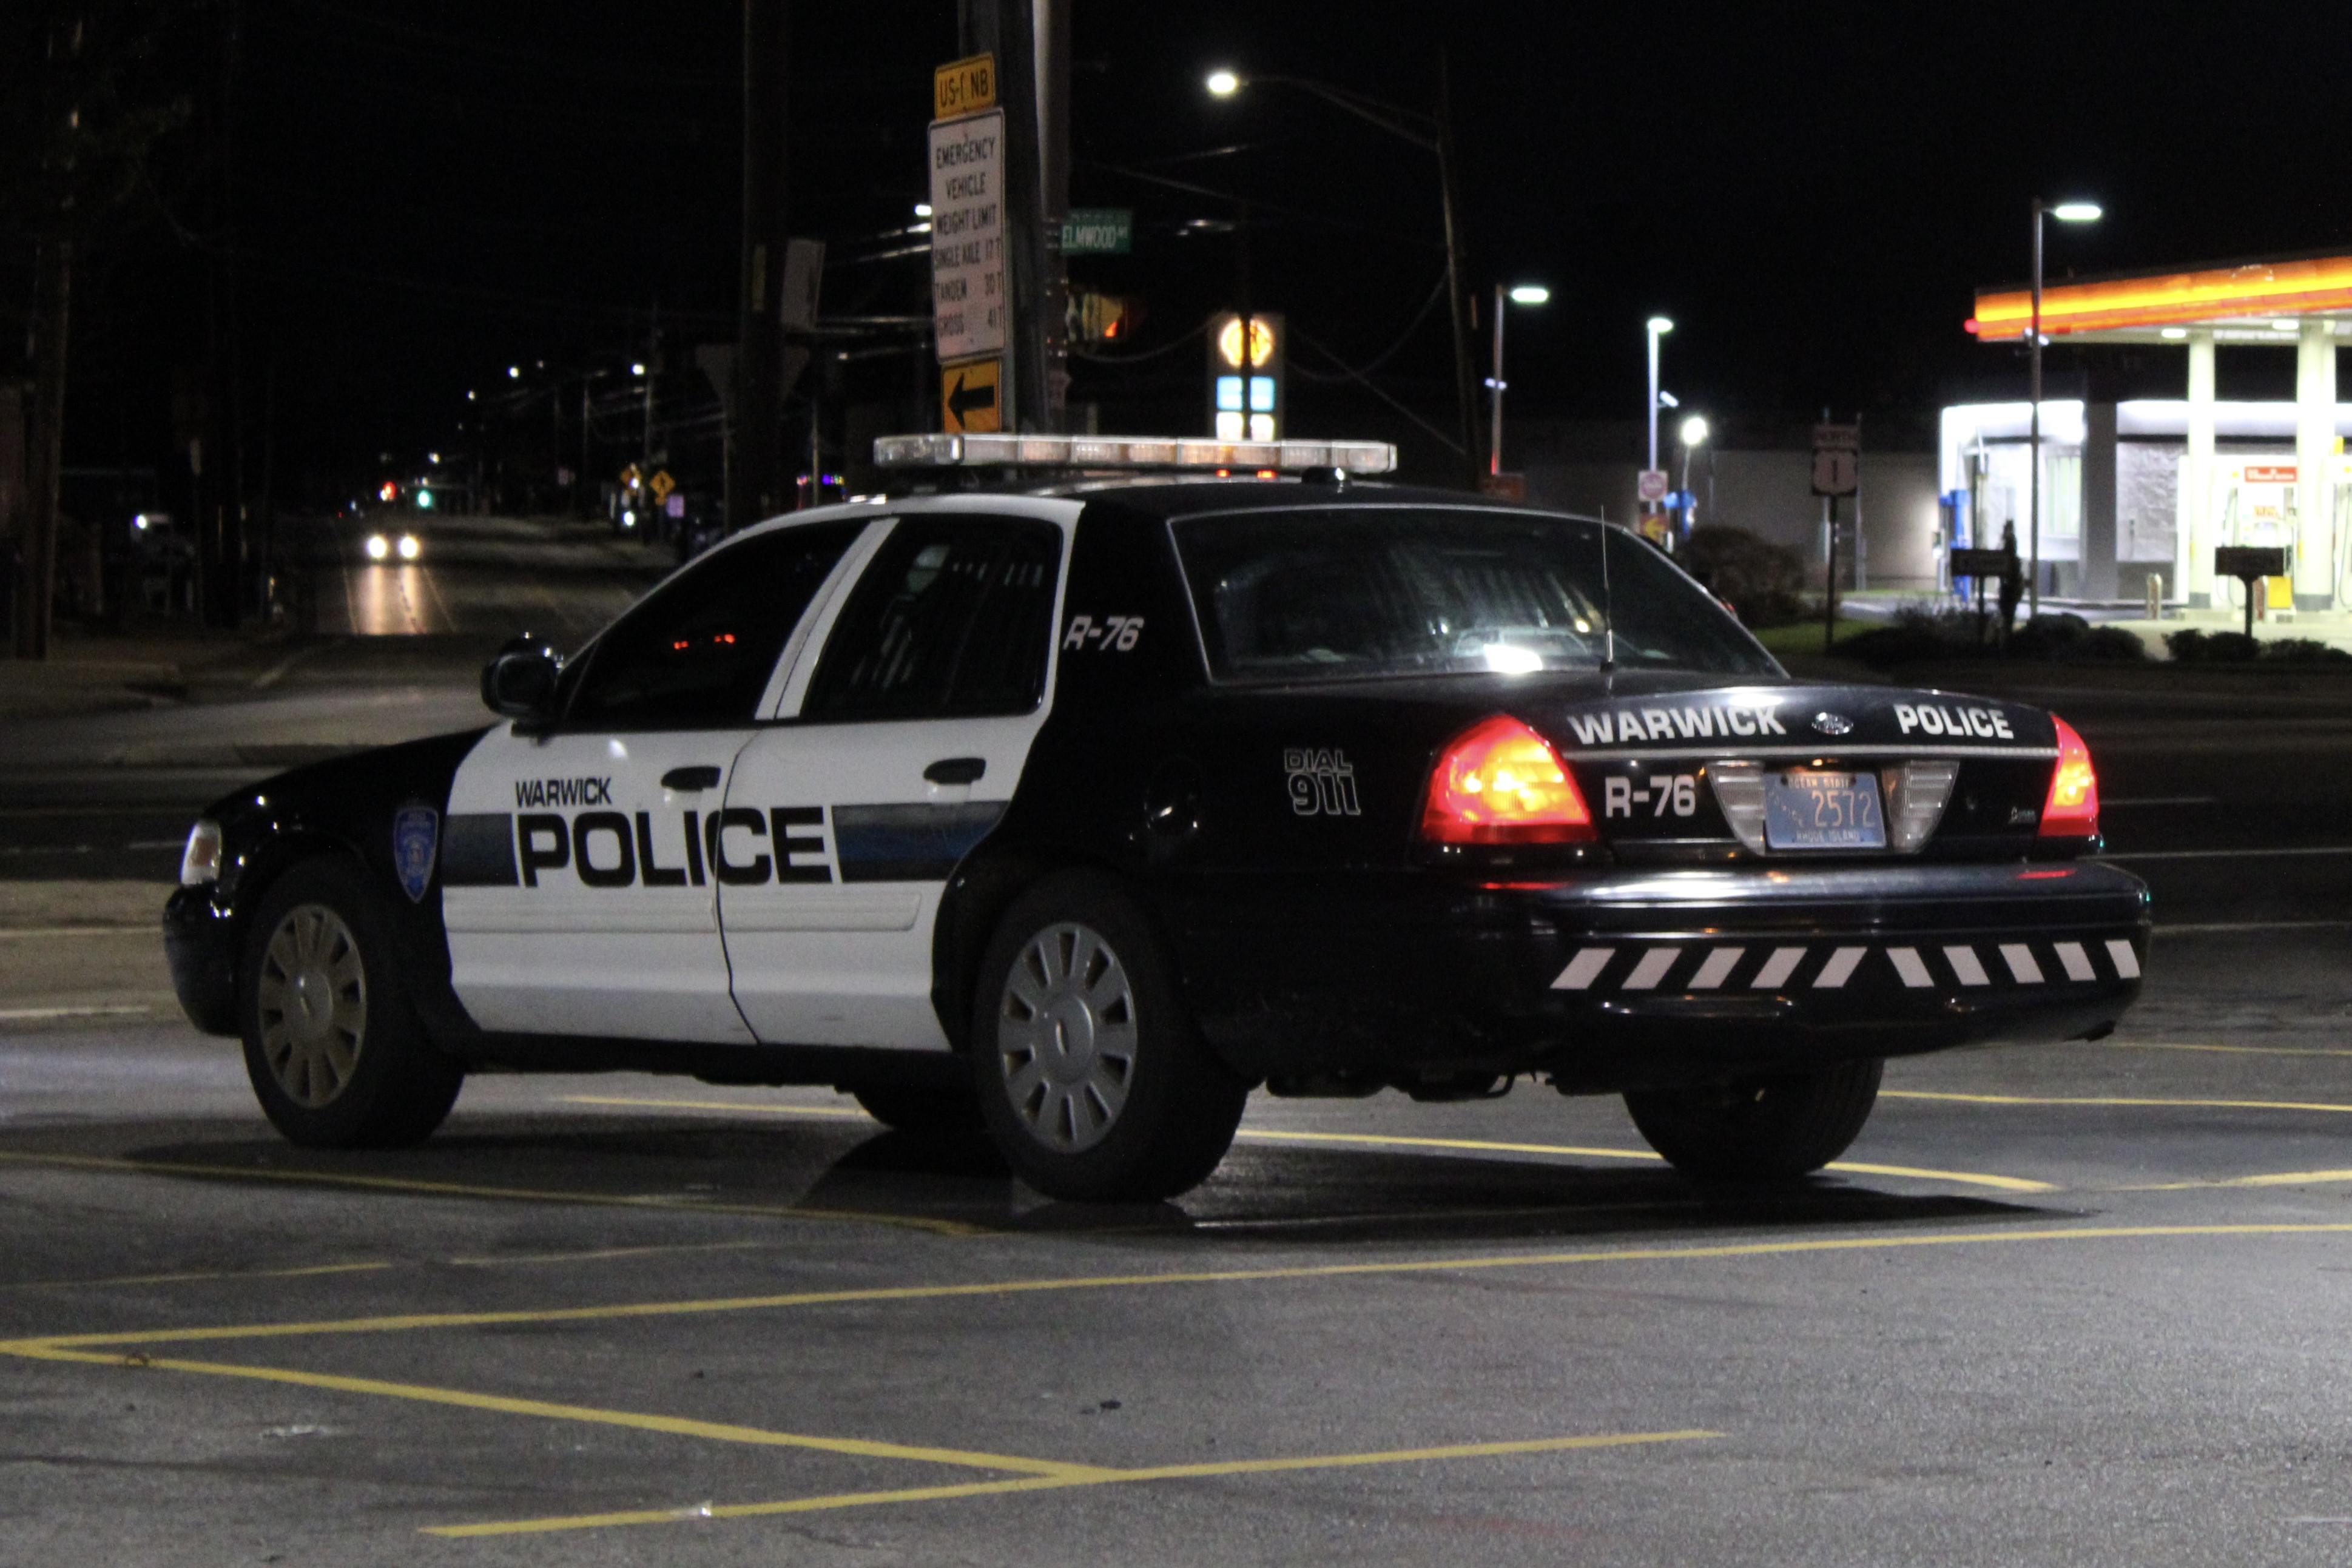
(1245, 401)
(1102, 318)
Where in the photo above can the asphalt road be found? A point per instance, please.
(2079, 1304)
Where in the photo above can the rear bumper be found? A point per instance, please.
(1635, 979)
(200, 943)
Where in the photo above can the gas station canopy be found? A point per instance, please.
(2245, 302)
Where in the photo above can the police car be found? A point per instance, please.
(1079, 805)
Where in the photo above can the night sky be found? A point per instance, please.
(415, 195)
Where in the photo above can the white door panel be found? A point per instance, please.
(607, 921)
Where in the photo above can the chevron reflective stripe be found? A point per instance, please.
(1835, 972)
(2024, 966)
(1911, 967)
(1652, 969)
(1583, 969)
(1716, 968)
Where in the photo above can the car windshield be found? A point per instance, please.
(1358, 591)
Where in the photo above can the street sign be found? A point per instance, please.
(2247, 562)
(661, 485)
(1098, 231)
(967, 397)
(968, 301)
(1653, 487)
(1836, 459)
(1994, 563)
(963, 86)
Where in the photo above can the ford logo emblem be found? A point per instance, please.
(1831, 723)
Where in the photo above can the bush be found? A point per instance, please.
(2191, 646)
(1764, 582)
(1919, 634)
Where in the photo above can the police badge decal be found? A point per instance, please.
(415, 836)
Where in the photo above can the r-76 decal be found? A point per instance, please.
(1117, 633)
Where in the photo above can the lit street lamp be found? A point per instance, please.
(2065, 212)
(1522, 293)
(1693, 433)
(1658, 328)
(1433, 134)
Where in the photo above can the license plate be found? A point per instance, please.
(1805, 811)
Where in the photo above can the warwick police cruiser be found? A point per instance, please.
(1082, 789)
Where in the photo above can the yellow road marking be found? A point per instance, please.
(198, 1277)
(642, 1309)
(1106, 1477)
(459, 1189)
(2105, 1100)
(1270, 1135)
(2279, 1178)
(675, 1425)
(2232, 1050)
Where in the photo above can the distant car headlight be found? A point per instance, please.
(378, 547)
(201, 863)
(409, 547)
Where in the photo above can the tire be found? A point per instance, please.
(332, 1043)
(1774, 1129)
(1095, 1085)
(930, 1112)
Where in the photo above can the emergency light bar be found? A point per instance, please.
(1130, 452)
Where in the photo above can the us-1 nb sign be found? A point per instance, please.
(967, 295)
(1837, 450)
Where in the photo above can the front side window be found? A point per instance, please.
(1362, 592)
(699, 650)
(953, 619)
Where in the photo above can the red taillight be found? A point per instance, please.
(1501, 783)
(2072, 809)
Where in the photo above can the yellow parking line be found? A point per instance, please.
(2279, 1178)
(1990, 1236)
(2112, 1100)
(1270, 1135)
(2231, 1050)
(459, 1189)
(849, 1110)
(194, 1277)
(1106, 1477)
(675, 1425)
(1973, 1178)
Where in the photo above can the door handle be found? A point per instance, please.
(691, 779)
(956, 770)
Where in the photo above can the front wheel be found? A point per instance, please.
(1093, 1082)
(1772, 1129)
(332, 1044)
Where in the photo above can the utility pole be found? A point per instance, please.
(1030, 42)
(1465, 398)
(52, 294)
(755, 487)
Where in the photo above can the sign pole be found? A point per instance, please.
(755, 475)
(1829, 595)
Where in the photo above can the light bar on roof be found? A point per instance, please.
(1130, 452)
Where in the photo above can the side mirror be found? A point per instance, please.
(520, 682)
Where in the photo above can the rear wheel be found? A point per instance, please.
(925, 1110)
(1094, 1083)
(1770, 1129)
(332, 1044)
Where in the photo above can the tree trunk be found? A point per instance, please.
(36, 579)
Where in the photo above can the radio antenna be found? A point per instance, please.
(1608, 620)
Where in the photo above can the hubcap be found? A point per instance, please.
(1065, 1037)
(313, 1005)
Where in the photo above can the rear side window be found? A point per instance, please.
(1368, 591)
(699, 650)
(953, 617)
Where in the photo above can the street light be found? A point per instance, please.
(1658, 328)
(2065, 212)
(1433, 133)
(1522, 293)
(1693, 433)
